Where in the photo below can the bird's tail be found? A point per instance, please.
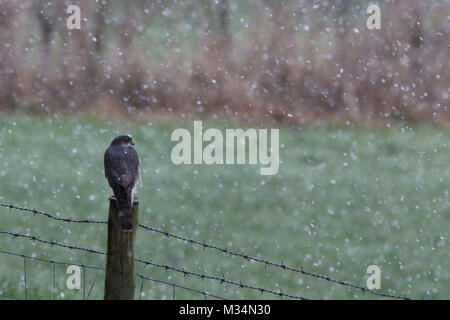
(126, 219)
(125, 206)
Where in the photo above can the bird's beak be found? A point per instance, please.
(132, 143)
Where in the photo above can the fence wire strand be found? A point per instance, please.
(225, 251)
(48, 215)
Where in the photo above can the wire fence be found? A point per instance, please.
(85, 266)
(222, 280)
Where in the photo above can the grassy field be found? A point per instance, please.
(344, 199)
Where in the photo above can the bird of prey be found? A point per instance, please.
(122, 171)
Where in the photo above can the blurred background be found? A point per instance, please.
(364, 154)
(273, 61)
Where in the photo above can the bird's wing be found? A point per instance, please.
(133, 163)
(119, 167)
(122, 166)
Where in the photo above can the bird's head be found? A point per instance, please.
(124, 141)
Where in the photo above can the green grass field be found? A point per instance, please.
(344, 199)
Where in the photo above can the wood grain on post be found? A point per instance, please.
(120, 277)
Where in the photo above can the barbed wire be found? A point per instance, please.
(52, 243)
(48, 215)
(172, 284)
(274, 264)
(223, 280)
(225, 251)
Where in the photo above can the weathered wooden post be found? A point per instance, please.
(120, 278)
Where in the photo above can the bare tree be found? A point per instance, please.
(224, 17)
(45, 14)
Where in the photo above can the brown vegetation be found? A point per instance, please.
(279, 70)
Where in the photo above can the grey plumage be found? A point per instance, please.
(122, 171)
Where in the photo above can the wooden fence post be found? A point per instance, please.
(120, 276)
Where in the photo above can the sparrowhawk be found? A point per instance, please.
(122, 171)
